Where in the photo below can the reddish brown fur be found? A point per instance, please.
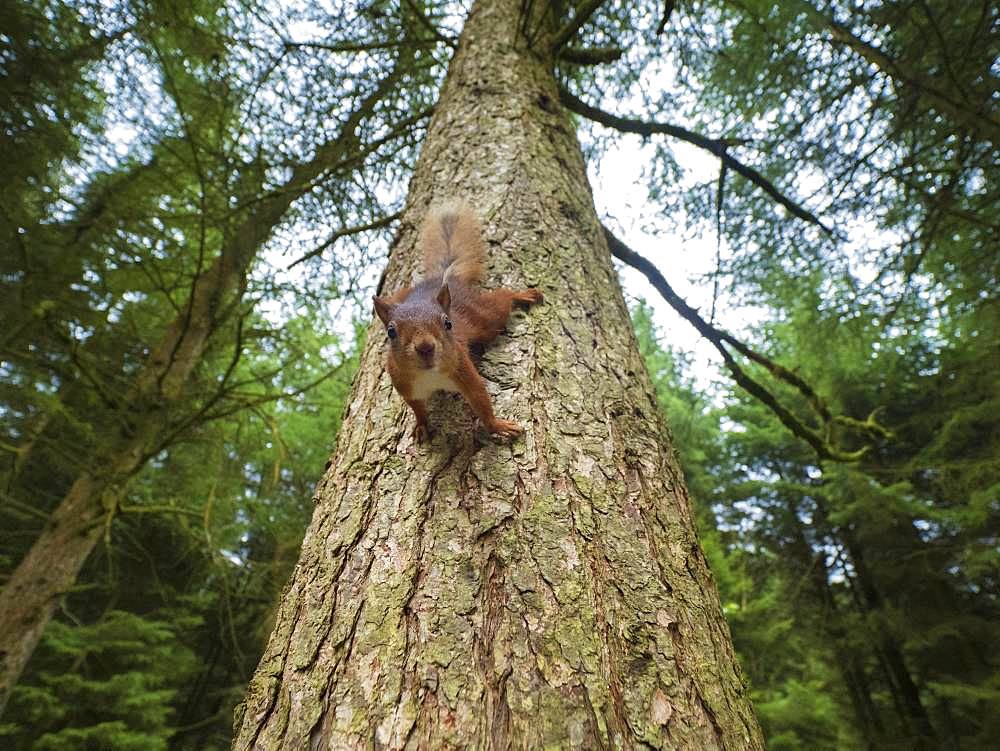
(452, 244)
(425, 355)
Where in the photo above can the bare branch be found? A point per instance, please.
(717, 146)
(358, 46)
(590, 55)
(821, 444)
(581, 14)
(346, 232)
(668, 9)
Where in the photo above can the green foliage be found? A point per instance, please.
(794, 689)
(204, 541)
(109, 684)
(800, 715)
(892, 560)
(866, 592)
(108, 239)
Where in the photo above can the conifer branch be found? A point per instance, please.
(590, 55)
(821, 443)
(984, 121)
(428, 25)
(581, 14)
(717, 146)
(157, 509)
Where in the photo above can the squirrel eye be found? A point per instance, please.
(391, 331)
(447, 323)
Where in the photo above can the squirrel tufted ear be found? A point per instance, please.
(382, 309)
(444, 297)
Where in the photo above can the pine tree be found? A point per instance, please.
(468, 593)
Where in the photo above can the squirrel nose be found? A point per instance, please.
(425, 349)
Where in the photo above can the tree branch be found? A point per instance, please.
(357, 46)
(581, 14)
(717, 146)
(668, 9)
(986, 123)
(426, 23)
(345, 232)
(590, 55)
(822, 444)
(160, 509)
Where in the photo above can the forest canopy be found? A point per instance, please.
(199, 199)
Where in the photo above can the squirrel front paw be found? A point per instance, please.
(506, 428)
(529, 296)
(421, 433)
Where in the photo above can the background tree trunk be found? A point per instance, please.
(30, 597)
(476, 594)
(49, 570)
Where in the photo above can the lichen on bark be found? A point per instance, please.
(469, 593)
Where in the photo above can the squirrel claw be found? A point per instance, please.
(421, 434)
(506, 429)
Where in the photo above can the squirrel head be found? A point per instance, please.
(419, 330)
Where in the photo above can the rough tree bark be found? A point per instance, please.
(476, 594)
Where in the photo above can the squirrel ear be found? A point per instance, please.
(382, 309)
(444, 297)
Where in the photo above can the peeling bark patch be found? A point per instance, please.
(662, 710)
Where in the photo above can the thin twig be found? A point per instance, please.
(346, 232)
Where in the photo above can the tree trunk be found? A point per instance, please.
(867, 720)
(475, 594)
(905, 693)
(912, 712)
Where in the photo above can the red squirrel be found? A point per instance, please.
(431, 325)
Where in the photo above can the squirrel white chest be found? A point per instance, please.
(429, 381)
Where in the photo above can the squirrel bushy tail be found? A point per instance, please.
(452, 242)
